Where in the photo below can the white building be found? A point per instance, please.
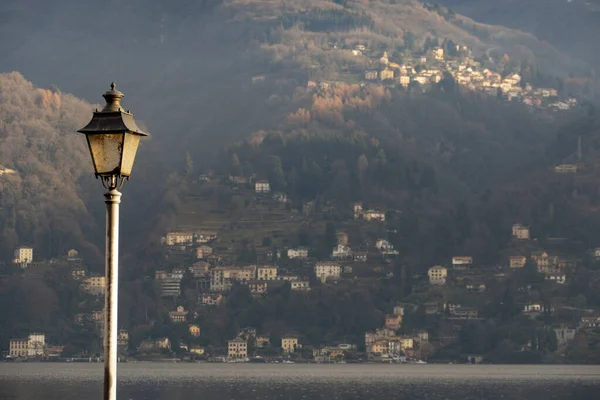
(300, 285)
(462, 262)
(341, 252)
(94, 285)
(298, 252)
(23, 255)
(520, 232)
(267, 273)
(373, 215)
(437, 275)
(325, 270)
(262, 187)
(18, 347)
(383, 245)
(564, 335)
(36, 345)
(175, 238)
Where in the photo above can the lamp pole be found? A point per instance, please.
(112, 198)
(113, 138)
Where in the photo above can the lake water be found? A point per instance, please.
(157, 381)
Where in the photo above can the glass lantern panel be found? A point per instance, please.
(129, 150)
(106, 151)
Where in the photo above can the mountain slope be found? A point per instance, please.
(187, 66)
(40, 203)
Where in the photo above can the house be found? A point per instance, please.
(210, 299)
(462, 262)
(545, 263)
(393, 321)
(475, 287)
(438, 53)
(360, 256)
(267, 273)
(437, 275)
(155, 344)
(381, 347)
(237, 348)
(203, 251)
(566, 169)
(371, 75)
(463, 313)
(78, 273)
(199, 269)
(399, 310)
(258, 287)
(72, 255)
(280, 197)
(358, 210)
(94, 285)
(383, 245)
(194, 330)
(517, 261)
(556, 277)
(179, 315)
(533, 308)
(326, 270)
(123, 338)
(564, 335)
(199, 350)
(341, 252)
(300, 285)
(520, 232)
(169, 286)
(590, 322)
(206, 236)
(180, 238)
(404, 80)
(36, 344)
(373, 215)
(238, 180)
(18, 347)
(287, 277)
(342, 238)
(23, 255)
(289, 344)
(398, 344)
(262, 341)
(386, 74)
(262, 186)
(298, 252)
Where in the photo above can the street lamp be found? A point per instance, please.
(113, 138)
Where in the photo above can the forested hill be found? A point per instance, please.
(41, 163)
(189, 65)
(444, 160)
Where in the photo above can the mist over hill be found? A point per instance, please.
(187, 66)
(571, 26)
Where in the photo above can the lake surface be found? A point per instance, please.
(158, 381)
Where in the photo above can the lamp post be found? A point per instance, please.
(113, 138)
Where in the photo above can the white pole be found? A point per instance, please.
(112, 198)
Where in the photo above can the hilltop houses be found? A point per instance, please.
(437, 275)
(520, 232)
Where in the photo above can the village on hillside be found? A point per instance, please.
(201, 268)
(435, 64)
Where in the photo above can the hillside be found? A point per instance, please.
(40, 199)
(567, 25)
(187, 58)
